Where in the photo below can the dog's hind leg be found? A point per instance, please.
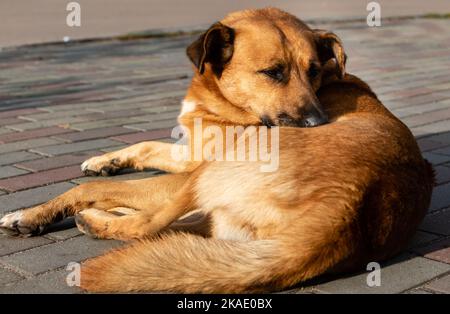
(142, 195)
(105, 225)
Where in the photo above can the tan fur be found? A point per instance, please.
(346, 193)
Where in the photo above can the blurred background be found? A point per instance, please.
(26, 22)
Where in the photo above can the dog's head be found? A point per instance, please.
(267, 62)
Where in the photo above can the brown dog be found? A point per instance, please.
(346, 193)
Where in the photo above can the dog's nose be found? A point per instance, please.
(312, 121)
(313, 117)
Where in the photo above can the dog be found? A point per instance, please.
(351, 187)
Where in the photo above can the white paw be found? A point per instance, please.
(99, 166)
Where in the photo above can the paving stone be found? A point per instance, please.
(59, 254)
(399, 275)
(144, 136)
(100, 124)
(7, 276)
(10, 171)
(155, 125)
(24, 126)
(442, 151)
(10, 158)
(40, 178)
(436, 159)
(75, 147)
(438, 251)
(94, 134)
(5, 131)
(10, 245)
(28, 144)
(113, 148)
(426, 144)
(18, 112)
(10, 121)
(427, 118)
(441, 285)
(440, 197)
(443, 137)
(421, 238)
(53, 282)
(437, 222)
(418, 291)
(442, 174)
(63, 230)
(32, 197)
(432, 129)
(58, 161)
(20, 136)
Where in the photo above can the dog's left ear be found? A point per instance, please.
(329, 46)
(215, 46)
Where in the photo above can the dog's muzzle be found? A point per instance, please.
(308, 118)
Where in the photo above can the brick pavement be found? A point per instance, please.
(60, 104)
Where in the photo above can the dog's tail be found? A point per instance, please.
(192, 264)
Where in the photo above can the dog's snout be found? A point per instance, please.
(313, 116)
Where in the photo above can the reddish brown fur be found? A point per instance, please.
(346, 193)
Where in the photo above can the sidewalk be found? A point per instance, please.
(29, 22)
(60, 104)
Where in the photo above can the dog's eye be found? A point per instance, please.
(276, 73)
(313, 71)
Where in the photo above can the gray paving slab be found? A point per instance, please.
(399, 276)
(32, 197)
(60, 254)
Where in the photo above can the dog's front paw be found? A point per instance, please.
(100, 165)
(14, 224)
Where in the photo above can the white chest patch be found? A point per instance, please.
(187, 106)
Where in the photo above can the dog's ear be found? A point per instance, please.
(215, 46)
(329, 46)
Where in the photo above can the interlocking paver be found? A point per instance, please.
(55, 255)
(123, 92)
(7, 276)
(20, 136)
(441, 285)
(58, 161)
(10, 245)
(40, 178)
(427, 144)
(438, 251)
(436, 159)
(437, 222)
(18, 112)
(10, 171)
(442, 174)
(48, 283)
(398, 276)
(94, 134)
(27, 144)
(32, 197)
(144, 136)
(75, 147)
(10, 158)
(440, 197)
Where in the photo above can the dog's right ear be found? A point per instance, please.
(215, 46)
